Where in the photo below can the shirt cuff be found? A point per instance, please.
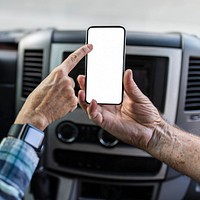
(18, 161)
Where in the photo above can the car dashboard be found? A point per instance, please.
(83, 161)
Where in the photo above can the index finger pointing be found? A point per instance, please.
(71, 61)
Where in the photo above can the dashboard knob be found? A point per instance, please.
(106, 139)
(67, 132)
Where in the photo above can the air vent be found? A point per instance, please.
(32, 70)
(193, 85)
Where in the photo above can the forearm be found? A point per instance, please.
(178, 149)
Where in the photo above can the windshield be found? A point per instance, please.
(143, 15)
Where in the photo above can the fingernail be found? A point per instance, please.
(130, 72)
(90, 46)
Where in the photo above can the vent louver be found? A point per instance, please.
(32, 70)
(193, 85)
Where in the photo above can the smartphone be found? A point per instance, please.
(105, 64)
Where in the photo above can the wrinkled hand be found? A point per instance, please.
(54, 97)
(133, 121)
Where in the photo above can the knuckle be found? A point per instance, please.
(69, 82)
(72, 99)
(79, 54)
(84, 51)
(73, 57)
(59, 72)
(74, 102)
(70, 93)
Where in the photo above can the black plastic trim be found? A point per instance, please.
(170, 40)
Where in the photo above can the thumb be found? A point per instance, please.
(130, 87)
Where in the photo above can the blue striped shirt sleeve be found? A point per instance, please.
(18, 161)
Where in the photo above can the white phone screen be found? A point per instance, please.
(105, 64)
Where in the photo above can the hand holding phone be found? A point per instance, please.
(105, 64)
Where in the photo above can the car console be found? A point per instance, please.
(84, 161)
